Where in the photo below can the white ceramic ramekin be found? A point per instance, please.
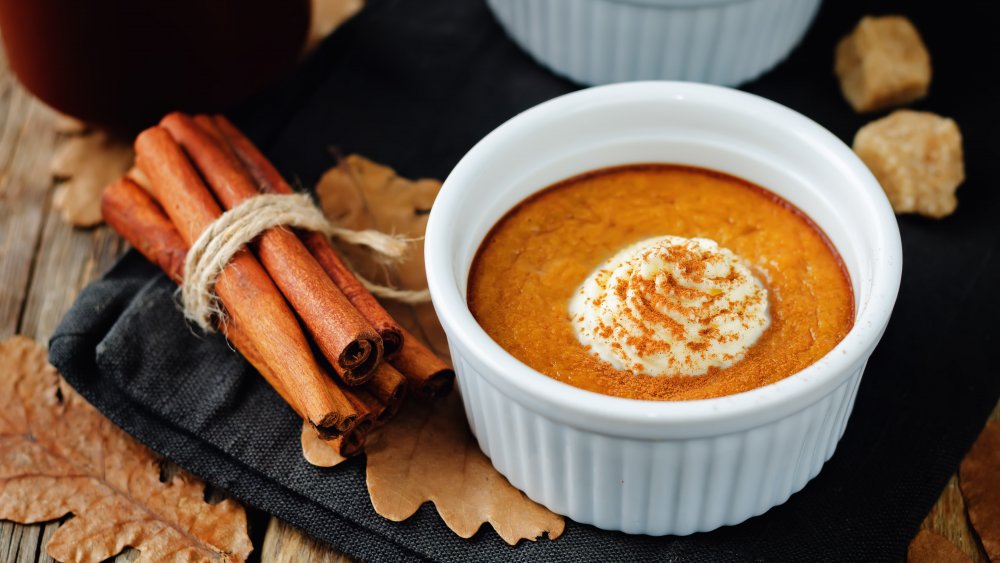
(644, 466)
(726, 42)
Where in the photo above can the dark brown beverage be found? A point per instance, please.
(125, 63)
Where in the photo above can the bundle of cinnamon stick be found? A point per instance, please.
(286, 295)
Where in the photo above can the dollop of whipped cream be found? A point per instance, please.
(671, 306)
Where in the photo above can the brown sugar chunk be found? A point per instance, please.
(917, 157)
(882, 63)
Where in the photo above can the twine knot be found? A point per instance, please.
(235, 228)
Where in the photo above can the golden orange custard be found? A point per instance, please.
(537, 258)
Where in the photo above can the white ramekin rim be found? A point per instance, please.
(655, 419)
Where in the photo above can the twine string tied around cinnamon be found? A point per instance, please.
(235, 228)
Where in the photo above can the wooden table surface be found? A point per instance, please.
(44, 263)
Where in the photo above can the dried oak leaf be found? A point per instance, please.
(428, 453)
(327, 15)
(85, 164)
(361, 194)
(979, 479)
(68, 125)
(317, 451)
(59, 456)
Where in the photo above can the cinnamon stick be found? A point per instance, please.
(269, 180)
(344, 336)
(428, 376)
(244, 288)
(351, 441)
(346, 446)
(133, 213)
(388, 387)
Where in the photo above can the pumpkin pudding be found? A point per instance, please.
(660, 282)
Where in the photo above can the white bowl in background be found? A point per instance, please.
(646, 466)
(725, 42)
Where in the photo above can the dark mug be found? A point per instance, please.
(124, 63)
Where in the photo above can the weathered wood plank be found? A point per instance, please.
(44, 263)
(47, 531)
(18, 544)
(284, 543)
(949, 518)
(26, 142)
(67, 260)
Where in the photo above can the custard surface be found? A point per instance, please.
(531, 263)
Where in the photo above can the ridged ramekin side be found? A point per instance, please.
(604, 41)
(656, 487)
(661, 467)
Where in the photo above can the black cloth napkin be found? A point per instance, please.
(415, 85)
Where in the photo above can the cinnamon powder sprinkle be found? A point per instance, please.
(536, 257)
